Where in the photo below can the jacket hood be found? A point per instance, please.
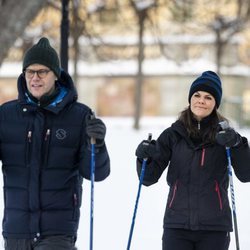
(65, 82)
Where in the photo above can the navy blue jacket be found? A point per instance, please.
(45, 155)
(198, 179)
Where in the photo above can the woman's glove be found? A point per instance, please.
(146, 149)
(228, 137)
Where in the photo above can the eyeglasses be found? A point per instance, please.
(42, 73)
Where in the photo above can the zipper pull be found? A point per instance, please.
(199, 125)
(203, 156)
(29, 136)
(75, 199)
(216, 186)
(47, 134)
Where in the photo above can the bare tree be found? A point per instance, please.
(64, 54)
(141, 9)
(225, 28)
(14, 19)
(76, 31)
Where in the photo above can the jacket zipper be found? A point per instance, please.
(203, 156)
(173, 195)
(47, 134)
(75, 199)
(75, 202)
(199, 125)
(29, 136)
(29, 139)
(217, 190)
(203, 149)
(46, 139)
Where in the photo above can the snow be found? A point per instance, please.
(115, 197)
(128, 40)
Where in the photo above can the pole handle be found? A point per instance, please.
(149, 136)
(149, 139)
(92, 139)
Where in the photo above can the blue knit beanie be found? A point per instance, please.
(42, 53)
(209, 82)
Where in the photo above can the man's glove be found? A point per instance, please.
(146, 149)
(95, 128)
(228, 137)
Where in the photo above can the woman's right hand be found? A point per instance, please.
(146, 149)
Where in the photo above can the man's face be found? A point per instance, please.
(40, 80)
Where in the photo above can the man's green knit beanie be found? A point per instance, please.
(42, 53)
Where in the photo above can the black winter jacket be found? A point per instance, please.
(198, 179)
(45, 155)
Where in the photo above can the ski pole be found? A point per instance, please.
(224, 125)
(230, 174)
(144, 163)
(92, 164)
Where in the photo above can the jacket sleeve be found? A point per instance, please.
(240, 160)
(155, 166)
(101, 155)
(102, 163)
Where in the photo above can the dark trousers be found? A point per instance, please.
(179, 239)
(57, 242)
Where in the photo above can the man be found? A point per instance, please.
(45, 151)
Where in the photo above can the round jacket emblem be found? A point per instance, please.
(61, 134)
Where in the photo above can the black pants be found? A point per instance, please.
(57, 242)
(179, 239)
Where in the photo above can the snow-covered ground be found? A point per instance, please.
(115, 197)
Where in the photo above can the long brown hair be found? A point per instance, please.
(187, 118)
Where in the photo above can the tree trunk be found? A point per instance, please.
(139, 83)
(15, 16)
(64, 54)
(219, 52)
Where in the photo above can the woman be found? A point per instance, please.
(198, 215)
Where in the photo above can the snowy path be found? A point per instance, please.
(115, 197)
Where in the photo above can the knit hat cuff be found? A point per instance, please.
(207, 88)
(209, 82)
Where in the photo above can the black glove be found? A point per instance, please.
(228, 138)
(146, 149)
(95, 128)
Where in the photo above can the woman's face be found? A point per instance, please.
(202, 104)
